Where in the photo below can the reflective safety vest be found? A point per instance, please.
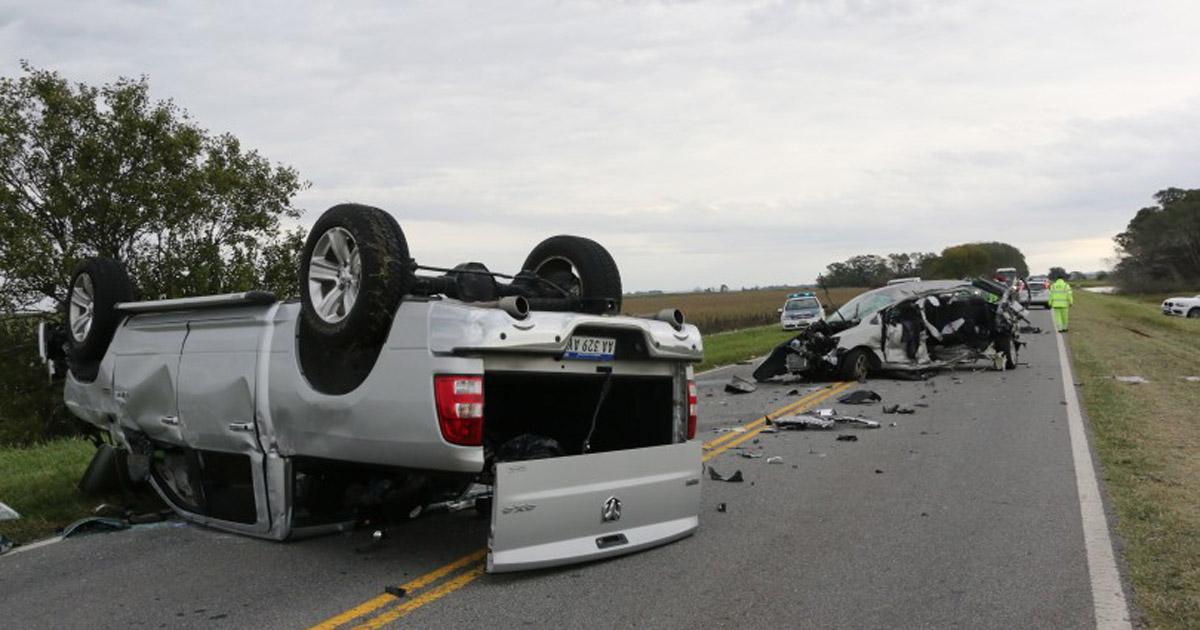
(1061, 295)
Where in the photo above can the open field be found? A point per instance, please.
(716, 312)
(1148, 440)
(733, 346)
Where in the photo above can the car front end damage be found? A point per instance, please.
(920, 326)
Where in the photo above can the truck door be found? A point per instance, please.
(146, 373)
(217, 382)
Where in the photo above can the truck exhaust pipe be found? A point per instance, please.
(672, 316)
(516, 306)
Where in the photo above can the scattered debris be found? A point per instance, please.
(1138, 332)
(5, 545)
(739, 385)
(870, 424)
(775, 459)
(1133, 380)
(149, 517)
(8, 514)
(721, 507)
(893, 424)
(921, 405)
(736, 477)
(729, 430)
(802, 422)
(395, 591)
(823, 413)
(847, 438)
(109, 510)
(889, 409)
(860, 397)
(749, 455)
(793, 392)
(94, 524)
(769, 430)
(878, 472)
(1191, 379)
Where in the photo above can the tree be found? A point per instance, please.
(1160, 248)
(108, 171)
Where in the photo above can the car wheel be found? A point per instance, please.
(1194, 313)
(97, 286)
(352, 274)
(1008, 348)
(855, 365)
(579, 266)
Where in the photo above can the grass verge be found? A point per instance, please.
(38, 481)
(731, 347)
(1148, 440)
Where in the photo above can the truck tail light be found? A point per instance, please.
(460, 408)
(692, 403)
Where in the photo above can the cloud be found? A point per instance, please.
(744, 143)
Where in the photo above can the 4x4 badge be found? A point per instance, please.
(611, 510)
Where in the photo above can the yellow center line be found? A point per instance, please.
(372, 605)
(751, 429)
(771, 416)
(742, 437)
(450, 586)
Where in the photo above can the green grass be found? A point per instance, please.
(1148, 440)
(39, 482)
(731, 347)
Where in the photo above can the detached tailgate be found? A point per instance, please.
(557, 511)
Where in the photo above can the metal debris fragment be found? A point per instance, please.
(739, 385)
(860, 397)
(775, 459)
(736, 477)
(847, 438)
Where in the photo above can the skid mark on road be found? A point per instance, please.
(374, 613)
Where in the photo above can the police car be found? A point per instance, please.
(800, 311)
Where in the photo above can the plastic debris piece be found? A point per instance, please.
(921, 405)
(775, 459)
(1190, 379)
(395, 591)
(739, 385)
(721, 507)
(749, 455)
(823, 413)
(878, 472)
(847, 438)
(8, 514)
(804, 421)
(860, 397)
(736, 477)
(1132, 380)
(863, 422)
(769, 430)
(94, 524)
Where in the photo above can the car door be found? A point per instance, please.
(146, 374)
(556, 511)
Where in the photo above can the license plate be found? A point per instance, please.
(590, 348)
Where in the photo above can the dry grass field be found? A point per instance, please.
(716, 312)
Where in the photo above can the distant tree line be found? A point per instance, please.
(959, 261)
(1160, 248)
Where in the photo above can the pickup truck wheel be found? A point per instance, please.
(855, 365)
(1194, 313)
(580, 266)
(352, 274)
(97, 286)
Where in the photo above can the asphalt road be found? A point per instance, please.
(965, 514)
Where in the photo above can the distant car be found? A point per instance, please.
(801, 310)
(1182, 306)
(1009, 276)
(1036, 291)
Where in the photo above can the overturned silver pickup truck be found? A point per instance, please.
(907, 327)
(382, 390)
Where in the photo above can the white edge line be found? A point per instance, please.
(1108, 596)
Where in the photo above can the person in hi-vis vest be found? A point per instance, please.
(1061, 299)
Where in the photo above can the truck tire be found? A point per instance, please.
(855, 365)
(578, 265)
(1008, 348)
(1194, 313)
(352, 275)
(90, 313)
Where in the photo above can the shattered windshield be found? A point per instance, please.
(802, 304)
(867, 303)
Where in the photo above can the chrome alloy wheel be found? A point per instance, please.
(82, 307)
(334, 275)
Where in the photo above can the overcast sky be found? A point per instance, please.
(703, 143)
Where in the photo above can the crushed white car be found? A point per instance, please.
(381, 391)
(907, 327)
